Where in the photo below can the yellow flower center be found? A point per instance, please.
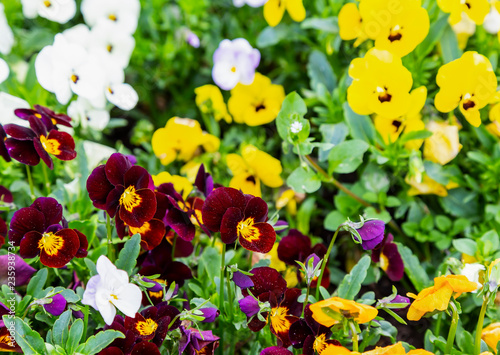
(259, 107)
(233, 69)
(247, 230)
(384, 262)
(395, 34)
(115, 297)
(383, 94)
(37, 115)
(146, 327)
(468, 101)
(74, 78)
(109, 47)
(130, 199)
(50, 243)
(112, 17)
(50, 145)
(47, 3)
(146, 227)
(278, 319)
(320, 343)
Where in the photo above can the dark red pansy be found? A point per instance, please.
(276, 350)
(284, 313)
(387, 255)
(5, 195)
(120, 345)
(266, 279)
(49, 118)
(3, 149)
(3, 232)
(239, 216)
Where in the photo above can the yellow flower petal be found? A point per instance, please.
(247, 183)
(349, 22)
(295, 9)
(273, 11)
(266, 167)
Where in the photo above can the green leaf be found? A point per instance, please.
(461, 203)
(60, 330)
(333, 134)
(465, 245)
(36, 283)
(320, 71)
(292, 109)
(435, 33)
(351, 284)
(271, 36)
(29, 340)
(302, 180)
(361, 127)
(413, 268)
(128, 255)
(347, 156)
(99, 341)
(91, 266)
(449, 45)
(406, 137)
(210, 262)
(304, 215)
(75, 335)
(333, 220)
(328, 25)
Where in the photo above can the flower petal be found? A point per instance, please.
(51, 209)
(129, 299)
(22, 151)
(137, 215)
(62, 253)
(99, 187)
(217, 203)
(116, 167)
(19, 132)
(229, 225)
(23, 221)
(264, 241)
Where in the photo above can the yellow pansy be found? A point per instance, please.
(258, 103)
(210, 101)
(395, 349)
(289, 199)
(468, 82)
(275, 9)
(443, 146)
(437, 297)
(181, 184)
(181, 139)
(360, 313)
(350, 22)
(491, 335)
(419, 352)
(397, 26)
(494, 115)
(381, 85)
(252, 167)
(428, 186)
(475, 9)
(190, 170)
(391, 128)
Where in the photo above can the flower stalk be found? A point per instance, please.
(479, 327)
(325, 262)
(453, 328)
(221, 296)
(111, 250)
(30, 181)
(354, 336)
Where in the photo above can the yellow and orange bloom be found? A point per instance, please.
(381, 85)
(443, 146)
(210, 101)
(275, 9)
(419, 352)
(258, 103)
(395, 349)
(428, 186)
(437, 297)
(252, 167)
(469, 83)
(476, 10)
(181, 139)
(340, 308)
(491, 335)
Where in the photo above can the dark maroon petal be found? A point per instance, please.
(57, 306)
(267, 279)
(151, 232)
(98, 187)
(22, 151)
(29, 245)
(295, 246)
(180, 223)
(64, 252)
(161, 205)
(257, 209)
(217, 203)
(298, 333)
(113, 200)
(112, 350)
(177, 272)
(262, 242)
(24, 113)
(3, 149)
(23, 221)
(135, 216)
(56, 118)
(290, 301)
(396, 268)
(164, 310)
(137, 176)
(116, 167)
(145, 347)
(37, 126)
(255, 324)
(66, 145)
(5, 195)
(169, 190)
(241, 280)
(43, 153)
(51, 209)
(19, 133)
(276, 350)
(84, 244)
(162, 330)
(183, 248)
(249, 306)
(229, 225)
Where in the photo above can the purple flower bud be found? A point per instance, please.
(210, 313)
(241, 280)
(249, 306)
(400, 299)
(156, 288)
(193, 40)
(372, 234)
(23, 270)
(131, 158)
(57, 306)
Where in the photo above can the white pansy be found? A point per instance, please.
(79, 34)
(7, 36)
(110, 289)
(492, 21)
(118, 45)
(122, 96)
(252, 3)
(123, 13)
(8, 104)
(86, 115)
(96, 153)
(4, 70)
(471, 271)
(54, 10)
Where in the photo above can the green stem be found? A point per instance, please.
(453, 329)
(85, 311)
(479, 328)
(325, 262)
(46, 177)
(173, 245)
(221, 298)
(354, 336)
(437, 329)
(307, 298)
(230, 297)
(111, 249)
(30, 180)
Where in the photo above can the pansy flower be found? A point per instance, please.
(194, 341)
(252, 167)
(437, 297)
(60, 11)
(350, 23)
(428, 186)
(476, 10)
(29, 145)
(7, 342)
(275, 9)
(381, 85)
(257, 103)
(37, 231)
(210, 101)
(491, 335)
(49, 118)
(468, 82)
(444, 145)
(239, 216)
(4, 153)
(389, 258)
(342, 308)
(181, 139)
(123, 189)
(181, 183)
